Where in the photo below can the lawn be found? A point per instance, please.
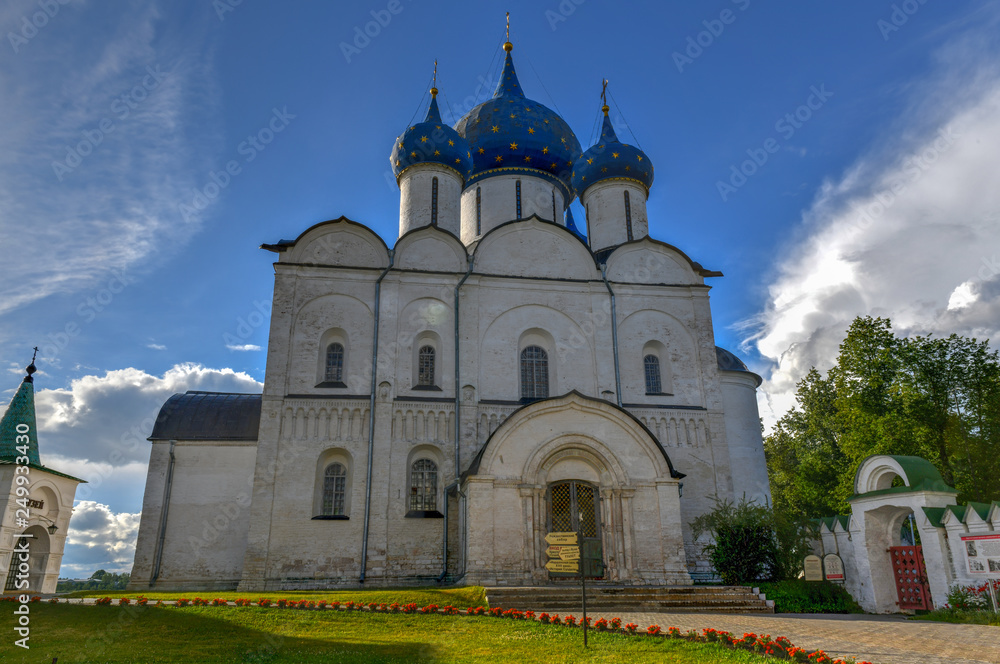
(252, 634)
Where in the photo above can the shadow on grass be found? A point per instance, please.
(149, 634)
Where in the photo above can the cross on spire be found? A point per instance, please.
(508, 26)
(434, 81)
(604, 96)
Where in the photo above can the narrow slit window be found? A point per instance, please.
(334, 489)
(479, 211)
(423, 486)
(518, 199)
(434, 202)
(554, 217)
(425, 366)
(653, 383)
(628, 217)
(334, 363)
(534, 373)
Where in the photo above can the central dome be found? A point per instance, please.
(511, 133)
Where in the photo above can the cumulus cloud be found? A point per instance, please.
(102, 134)
(911, 232)
(106, 419)
(99, 538)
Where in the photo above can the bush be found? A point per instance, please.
(800, 596)
(752, 542)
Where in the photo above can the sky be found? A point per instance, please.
(832, 159)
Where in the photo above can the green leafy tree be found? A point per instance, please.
(938, 398)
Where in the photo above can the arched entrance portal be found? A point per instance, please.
(36, 540)
(574, 506)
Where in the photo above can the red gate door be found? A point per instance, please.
(911, 577)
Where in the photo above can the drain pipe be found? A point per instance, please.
(163, 516)
(458, 419)
(614, 334)
(448, 489)
(371, 419)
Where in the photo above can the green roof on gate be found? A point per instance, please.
(20, 414)
(921, 475)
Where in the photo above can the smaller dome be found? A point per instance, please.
(431, 142)
(728, 362)
(612, 159)
(571, 225)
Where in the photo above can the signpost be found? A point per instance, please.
(564, 557)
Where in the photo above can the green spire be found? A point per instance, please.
(21, 414)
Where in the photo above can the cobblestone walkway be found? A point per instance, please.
(880, 639)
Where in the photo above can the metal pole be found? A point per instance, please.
(583, 579)
(993, 597)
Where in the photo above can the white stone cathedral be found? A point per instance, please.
(432, 410)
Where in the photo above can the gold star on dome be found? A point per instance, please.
(600, 147)
(563, 140)
(397, 162)
(496, 129)
(423, 139)
(546, 122)
(527, 158)
(437, 152)
(512, 116)
(527, 109)
(545, 150)
(614, 154)
(569, 163)
(552, 165)
(499, 158)
(413, 154)
(590, 161)
(531, 130)
(437, 126)
(604, 169)
(413, 127)
(451, 142)
(628, 168)
(584, 178)
(513, 146)
(401, 145)
(639, 157)
(482, 150)
(457, 160)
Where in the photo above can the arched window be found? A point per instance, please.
(587, 216)
(534, 373)
(423, 486)
(425, 365)
(334, 489)
(434, 202)
(334, 363)
(518, 199)
(628, 217)
(479, 211)
(653, 383)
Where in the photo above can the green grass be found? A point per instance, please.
(462, 598)
(961, 616)
(230, 634)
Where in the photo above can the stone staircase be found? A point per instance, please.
(646, 599)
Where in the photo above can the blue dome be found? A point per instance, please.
(431, 142)
(612, 159)
(512, 134)
(571, 224)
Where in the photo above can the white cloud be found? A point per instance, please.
(99, 538)
(129, 144)
(106, 419)
(910, 232)
(244, 347)
(156, 346)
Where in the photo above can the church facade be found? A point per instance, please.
(432, 410)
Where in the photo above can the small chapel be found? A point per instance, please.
(432, 410)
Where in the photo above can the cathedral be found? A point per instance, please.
(432, 410)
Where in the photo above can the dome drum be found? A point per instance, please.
(616, 213)
(496, 200)
(429, 194)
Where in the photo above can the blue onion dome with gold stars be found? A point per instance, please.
(512, 134)
(612, 159)
(431, 142)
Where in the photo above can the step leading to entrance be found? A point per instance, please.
(721, 599)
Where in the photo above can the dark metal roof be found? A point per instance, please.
(208, 416)
(729, 362)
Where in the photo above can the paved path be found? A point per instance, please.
(880, 639)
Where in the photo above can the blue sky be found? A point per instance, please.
(132, 257)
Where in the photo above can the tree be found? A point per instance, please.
(938, 398)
